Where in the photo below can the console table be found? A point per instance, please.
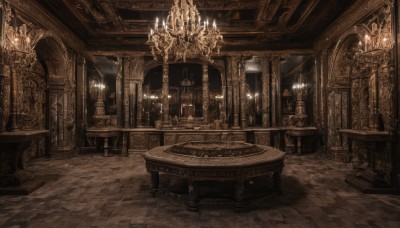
(372, 160)
(299, 135)
(103, 133)
(13, 181)
(214, 161)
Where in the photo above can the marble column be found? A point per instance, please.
(126, 81)
(243, 96)
(165, 92)
(235, 85)
(139, 104)
(373, 98)
(81, 105)
(133, 103)
(118, 88)
(13, 125)
(265, 78)
(276, 103)
(205, 93)
(229, 90)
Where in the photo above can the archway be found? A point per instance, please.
(340, 93)
(52, 56)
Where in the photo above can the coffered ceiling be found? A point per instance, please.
(106, 25)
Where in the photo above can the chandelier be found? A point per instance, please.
(183, 35)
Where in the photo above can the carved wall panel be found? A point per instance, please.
(33, 108)
(359, 103)
(34, 98)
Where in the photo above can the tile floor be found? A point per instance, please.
(95, 191)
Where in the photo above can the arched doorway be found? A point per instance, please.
(340, 94)
(52, 56)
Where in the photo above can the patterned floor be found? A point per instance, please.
(96, 191)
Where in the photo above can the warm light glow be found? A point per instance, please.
(183, 35)
(299, 85)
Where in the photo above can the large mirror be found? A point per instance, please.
(101, 85)
(297, 78)
(185, 94)
(253, 92)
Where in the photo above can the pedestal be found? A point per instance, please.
(14, 181)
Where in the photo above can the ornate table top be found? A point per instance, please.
(238, 154)
(19, 136)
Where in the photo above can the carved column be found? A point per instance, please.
(229, 90)
(139, 104)
(265, 78)
(81, 106)
(205, 93)
(13, 125)
(119, 89)
(165, 92)
(243, 98)
(275, 93)
(373, 98)
(235, 84)
(133, 103)
(126, 79)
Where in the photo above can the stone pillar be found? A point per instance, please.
(276, 103)
(132, 103)
(243, 97)
(324, 94)
(223, 102)
(164, 93)
(235, 85)
(373, 99)
(126, 80)
(265, 78)
(119, 89)
(205, 93)
(229, 90)
(81, 105)
(13, 125)
(139, 104)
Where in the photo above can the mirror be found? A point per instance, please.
(297, 78)
(185, 94)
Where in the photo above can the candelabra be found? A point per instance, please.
(183, 35)
(18, 54)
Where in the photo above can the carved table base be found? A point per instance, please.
(205, 164)
(14, 181)
(371, 157)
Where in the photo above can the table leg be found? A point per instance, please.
(277, 181)
(299, 146)
(239, 195)
(105, 147)
(124, 152)
(155, 180)
(193, 194)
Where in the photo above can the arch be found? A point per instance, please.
(53, 53)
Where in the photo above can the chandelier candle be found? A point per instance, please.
(183, 36)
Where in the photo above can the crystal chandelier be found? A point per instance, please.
(183, 35)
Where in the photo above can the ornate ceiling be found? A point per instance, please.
(106, 25)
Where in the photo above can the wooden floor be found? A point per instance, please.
(97, 191)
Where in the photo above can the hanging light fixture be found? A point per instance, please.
(184, 35)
